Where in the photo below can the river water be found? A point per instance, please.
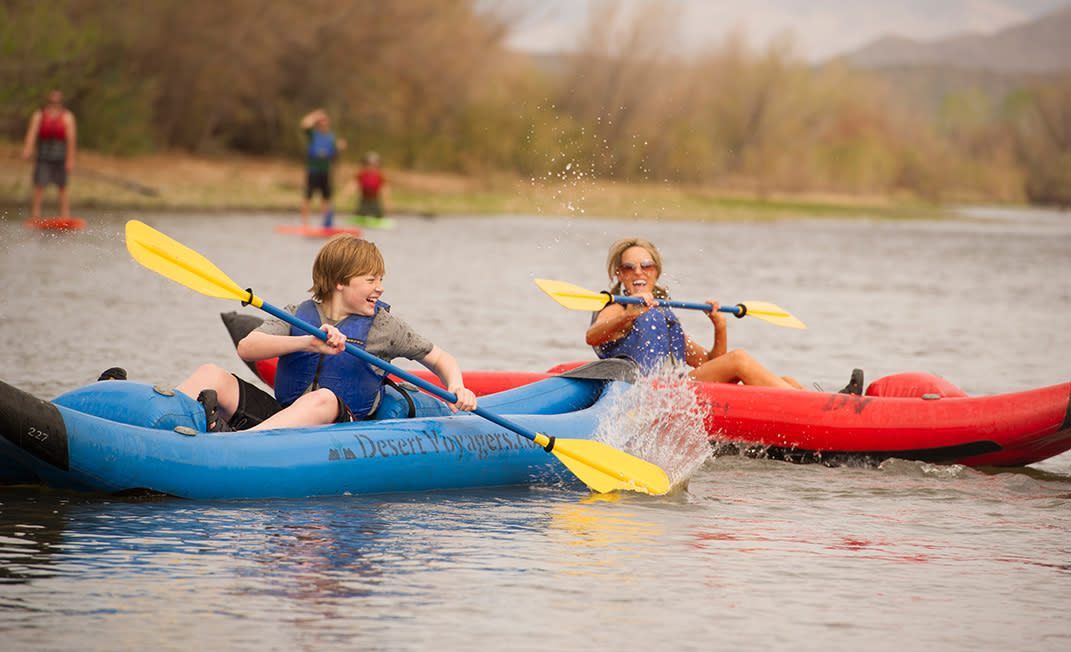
(754, 555)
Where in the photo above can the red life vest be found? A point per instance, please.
(52, 126)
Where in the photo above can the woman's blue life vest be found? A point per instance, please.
(352, 379)
(321, 145)
(655, 339)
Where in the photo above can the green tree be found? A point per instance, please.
(1043, 129)
(41, 48)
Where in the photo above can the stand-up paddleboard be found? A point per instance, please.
(56, 223)
(382, 223)
(315, 231)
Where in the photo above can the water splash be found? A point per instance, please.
(659, 419)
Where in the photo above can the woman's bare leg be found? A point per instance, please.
(738, 366)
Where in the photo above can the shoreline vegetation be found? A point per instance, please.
(181, 181)
(182, 108)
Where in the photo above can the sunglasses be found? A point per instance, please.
(631, 267)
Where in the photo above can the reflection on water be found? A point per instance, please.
(29, 536)
(931, 545)
(752, 553)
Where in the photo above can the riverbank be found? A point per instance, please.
(183, 182)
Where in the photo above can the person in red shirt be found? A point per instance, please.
(371, 187)
(53, 133)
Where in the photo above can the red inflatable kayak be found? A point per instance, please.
(802, 426)
(908, 416)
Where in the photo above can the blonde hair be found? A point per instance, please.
(613, 263)
(342, 258)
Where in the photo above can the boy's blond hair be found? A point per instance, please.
(342, 258)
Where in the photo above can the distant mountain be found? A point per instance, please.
(1040, 46)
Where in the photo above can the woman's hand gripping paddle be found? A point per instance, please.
(601, 467)
(577, 298)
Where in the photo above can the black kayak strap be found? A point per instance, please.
(408, 399)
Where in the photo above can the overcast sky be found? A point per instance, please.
(820, 28)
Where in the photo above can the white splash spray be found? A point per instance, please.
(658, 419)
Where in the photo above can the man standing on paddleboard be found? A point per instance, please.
(53, 133)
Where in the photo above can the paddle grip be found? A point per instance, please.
(737, 310)
(430, 388)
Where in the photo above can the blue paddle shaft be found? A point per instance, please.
(736, 310)
(431, 388)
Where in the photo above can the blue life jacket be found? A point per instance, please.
(321, 145)
(656, 335)
(349, 377)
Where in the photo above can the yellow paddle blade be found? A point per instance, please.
(773, 314)
(572, 296)
(179, 263)
(606, 469)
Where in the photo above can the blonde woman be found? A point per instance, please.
(652, 335)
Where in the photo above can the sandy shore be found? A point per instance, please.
(183, 182)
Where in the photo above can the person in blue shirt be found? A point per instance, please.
(322, 149)
(653, 336)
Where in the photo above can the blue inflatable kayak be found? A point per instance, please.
(123, 436)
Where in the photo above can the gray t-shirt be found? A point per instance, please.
(388, 338)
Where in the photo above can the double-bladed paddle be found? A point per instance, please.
(577, 298)
(601, 467)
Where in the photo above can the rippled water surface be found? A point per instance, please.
(754, 555)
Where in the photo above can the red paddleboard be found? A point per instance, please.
(56, 223)
(316, 231)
